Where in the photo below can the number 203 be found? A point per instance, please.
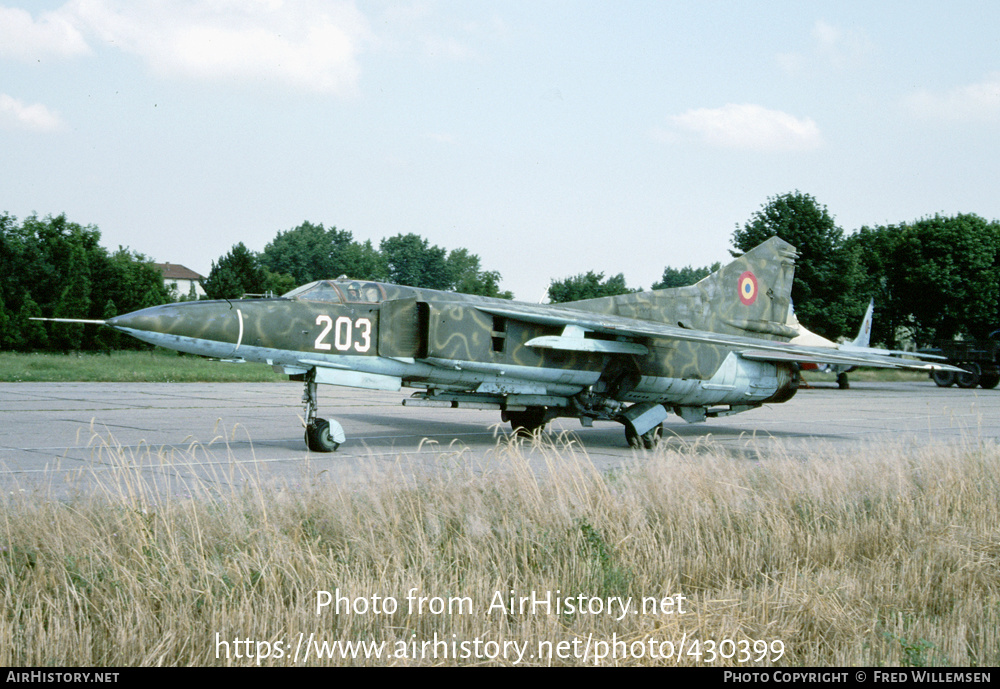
(343, 334)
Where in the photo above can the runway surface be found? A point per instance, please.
(58, 439)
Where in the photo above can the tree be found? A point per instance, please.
(61, 268)
(9, 264)
(302, 252)
(467, 277)
(74, 302)
(360, 260)
(108, 339)
(934, 278)
(129, 281)
(587, 286)
(826, 271)
(411, 260)
(29, 335)
(237, 273)
(672, 277)
(278, 283)
(311, 252)
(5, 321)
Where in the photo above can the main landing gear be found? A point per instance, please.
(647, 440)
(525, 423)
(322, 435)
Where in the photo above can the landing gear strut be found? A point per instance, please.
(648, 440)
(322, 435)
(643, 424)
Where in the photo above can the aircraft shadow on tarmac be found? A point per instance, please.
(482, 435)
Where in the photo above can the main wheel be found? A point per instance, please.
(324, 436)
(988, 381)
(647, 440)
(525, 423)
(970, 377)
(943, 379)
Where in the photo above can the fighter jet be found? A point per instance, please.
(860, 344)
(716, 348)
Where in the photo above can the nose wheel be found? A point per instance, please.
(322, 435)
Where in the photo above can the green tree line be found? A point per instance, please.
(312, 252)
(55, 268)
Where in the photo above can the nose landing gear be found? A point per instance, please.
(322, 435)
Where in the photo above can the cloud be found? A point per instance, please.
(14, 114)
(839, 49)
(750, 127)
(830, 47)
(978, 102)
(24, 38)
(310, 45)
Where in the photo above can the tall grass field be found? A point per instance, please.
(885, 557)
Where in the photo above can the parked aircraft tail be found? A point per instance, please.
(750, 296)
(865, 331)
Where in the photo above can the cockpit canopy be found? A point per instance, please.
(339, 291)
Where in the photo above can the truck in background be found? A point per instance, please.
(979, 358)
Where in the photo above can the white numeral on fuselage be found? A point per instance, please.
(343, 334)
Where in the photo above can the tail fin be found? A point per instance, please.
(865, 331)
(750, 296)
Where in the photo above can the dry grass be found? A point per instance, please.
(887, 557)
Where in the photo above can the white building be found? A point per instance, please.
(181, 280)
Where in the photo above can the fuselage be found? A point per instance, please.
(375, 335)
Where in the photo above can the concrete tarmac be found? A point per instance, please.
(60, 439)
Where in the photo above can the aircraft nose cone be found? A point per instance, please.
(186, 319)
(195, 327)
(153, 319)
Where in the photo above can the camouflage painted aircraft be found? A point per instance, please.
(716, 348)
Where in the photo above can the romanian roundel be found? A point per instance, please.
(748, 288)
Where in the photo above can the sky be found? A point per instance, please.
(549, 137)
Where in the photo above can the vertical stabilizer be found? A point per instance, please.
(750, 296)
(754, 293)
(865, 331)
